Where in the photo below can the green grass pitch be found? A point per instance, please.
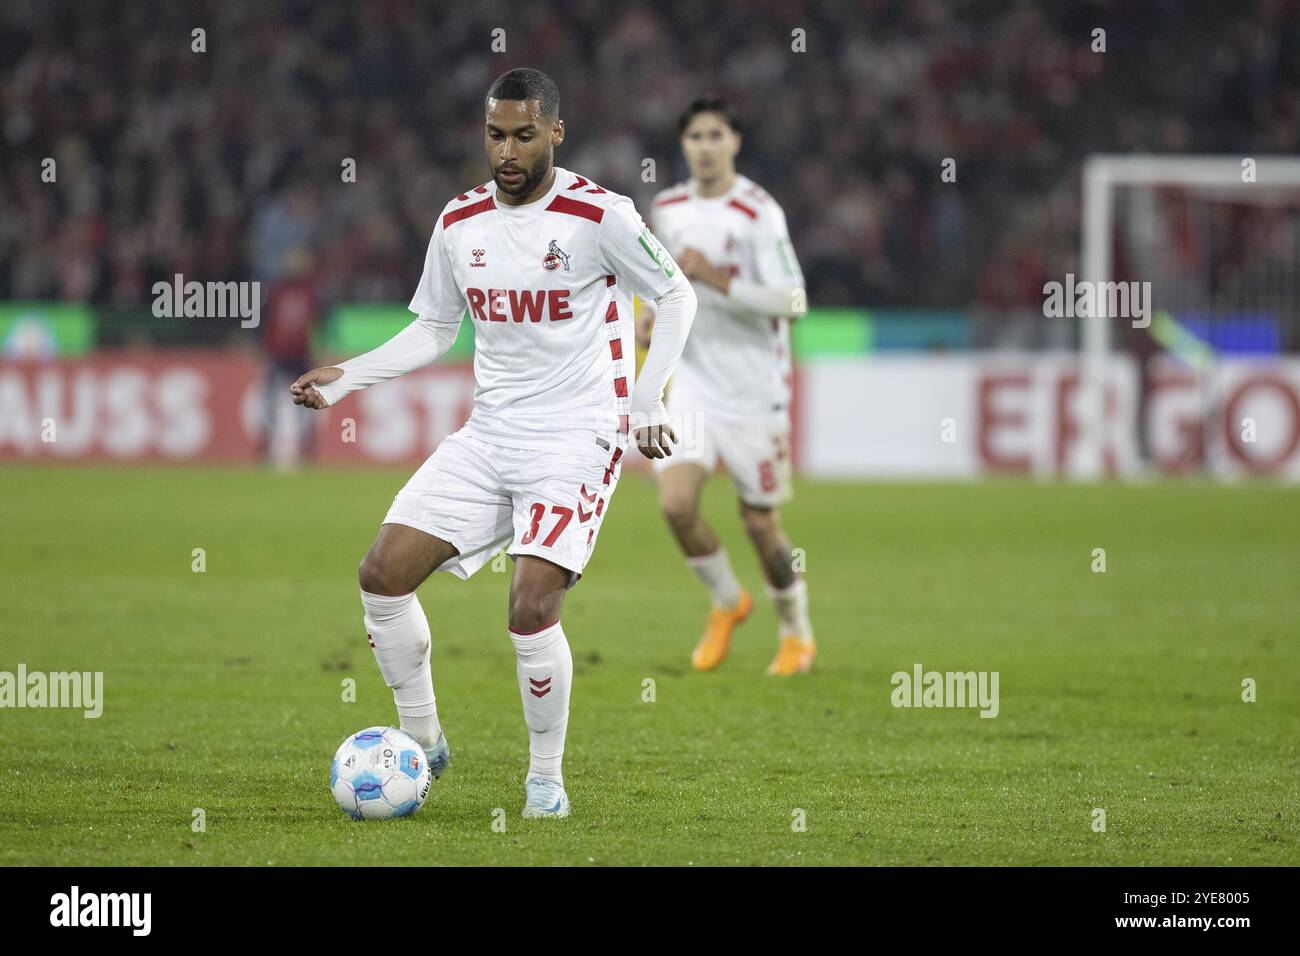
(223, 689)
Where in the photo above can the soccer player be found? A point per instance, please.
(730, 398)
(547, 262)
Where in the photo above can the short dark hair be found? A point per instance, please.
(707, 104)
(527, 84)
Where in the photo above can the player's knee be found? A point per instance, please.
(529, 612)
(377, 576)
(761, 524)
(681, 511)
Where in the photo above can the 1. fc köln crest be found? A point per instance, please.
(554, 256)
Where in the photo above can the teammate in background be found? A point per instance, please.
(730, 398)
(546, 262)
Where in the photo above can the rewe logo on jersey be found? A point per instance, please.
(554, 256)
(503, 305)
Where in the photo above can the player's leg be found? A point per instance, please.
(401, 558)
(785, 586)
(544, 668)
(450, 516)
(398, 630)
(560, 497)
(758, 459)
(680, 486)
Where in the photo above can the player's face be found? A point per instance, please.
(520, 145)
(710, 146)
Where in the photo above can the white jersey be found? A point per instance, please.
(548, 287)
(736, 364)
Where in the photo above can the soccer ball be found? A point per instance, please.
(379, 772)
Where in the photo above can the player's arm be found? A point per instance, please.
(637, 258)
(420, 343)
(673, 315)
(644, 323)
(440, 307)
(778, 288)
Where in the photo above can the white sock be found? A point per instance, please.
(792, 609)
(545, 669)
(715, 571)
(399, 634)
(424, 729)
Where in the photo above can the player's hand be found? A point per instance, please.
(693, 263)
(653, 440)
(304, 394)
(645, 323)
(697, 268)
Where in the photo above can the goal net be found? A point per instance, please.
(1207, 250)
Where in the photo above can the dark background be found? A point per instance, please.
(215, 164)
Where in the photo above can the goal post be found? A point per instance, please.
(1164, 195)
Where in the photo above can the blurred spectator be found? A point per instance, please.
(291, 312)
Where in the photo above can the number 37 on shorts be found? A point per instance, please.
(563, 533)
(482, 497)
(557, 517)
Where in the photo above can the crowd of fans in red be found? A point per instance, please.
(227, 164)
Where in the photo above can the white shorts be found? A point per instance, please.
(481, 497)
(755, 453)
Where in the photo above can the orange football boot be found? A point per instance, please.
(794, 656)
(713, 646)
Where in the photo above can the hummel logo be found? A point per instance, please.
(540, 688)
(478, 255)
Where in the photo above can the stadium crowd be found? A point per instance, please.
(219, 164)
